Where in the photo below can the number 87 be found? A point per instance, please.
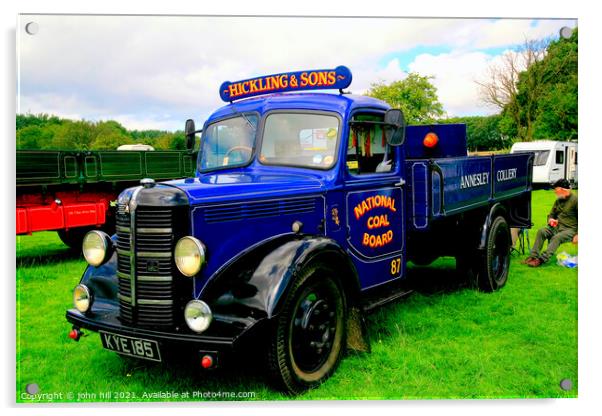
(396, 266)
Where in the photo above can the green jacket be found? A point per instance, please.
(565, 211)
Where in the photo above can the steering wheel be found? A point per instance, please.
(247, 149)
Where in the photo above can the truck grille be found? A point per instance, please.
(148, 298)
(261, 209)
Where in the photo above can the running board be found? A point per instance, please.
(372, 304)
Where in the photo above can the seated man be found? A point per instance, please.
(562, 225)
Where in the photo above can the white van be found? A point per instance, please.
(553, 160)
(137, 146)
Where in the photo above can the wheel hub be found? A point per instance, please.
(313, 332)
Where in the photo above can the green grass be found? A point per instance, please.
(444, 341)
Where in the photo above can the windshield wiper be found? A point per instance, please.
(235, 111)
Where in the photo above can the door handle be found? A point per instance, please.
(400, 183)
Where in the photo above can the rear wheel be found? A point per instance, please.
(488, 270)
(308, 336)
(495, 263)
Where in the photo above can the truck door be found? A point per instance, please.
(374, 197)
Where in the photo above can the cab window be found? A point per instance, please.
(228, 142)
(300, 139)
(367, 148)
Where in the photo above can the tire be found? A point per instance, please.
(74, 237)
(492, 273)
(308, 336)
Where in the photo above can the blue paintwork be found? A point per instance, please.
(418, 199)
(444, 187)
(452, 141)
(507, 183)
(227, 241)
(458, 196)
(315, 79)
(236, 209)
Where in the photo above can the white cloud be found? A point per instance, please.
(64, 105)
(454, 76)
(147, 122)
(514, 32)
(129, 66)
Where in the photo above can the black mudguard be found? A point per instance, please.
(259, 280)
(102, 280)
(496, 210)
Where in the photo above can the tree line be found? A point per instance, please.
(49, 132)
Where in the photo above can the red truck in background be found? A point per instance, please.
(71, 191)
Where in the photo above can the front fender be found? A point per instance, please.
(103, 280)
(279, 268)
(264, 286)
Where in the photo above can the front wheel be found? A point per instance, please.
(308, 337)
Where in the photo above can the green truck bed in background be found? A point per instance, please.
(36, 167)
(71, 191)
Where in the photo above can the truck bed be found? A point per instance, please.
(441, 187)
(36, 168)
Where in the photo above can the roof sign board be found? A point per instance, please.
(319, 79)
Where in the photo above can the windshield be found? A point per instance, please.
(300, 139)
(228, 142)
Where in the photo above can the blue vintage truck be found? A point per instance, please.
(302, 215)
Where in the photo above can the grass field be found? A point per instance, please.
(443, 341)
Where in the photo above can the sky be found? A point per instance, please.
(154, 72)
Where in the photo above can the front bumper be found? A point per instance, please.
(223, 336)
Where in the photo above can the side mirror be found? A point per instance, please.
(190, 131)
(395, 127)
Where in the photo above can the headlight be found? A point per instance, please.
(197, 315)
(96, 247)
(189, 255)
(82, 298)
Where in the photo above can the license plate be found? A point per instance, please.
(134, 347)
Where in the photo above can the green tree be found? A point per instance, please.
(178, 141)
(43, 131)
(109, 135)
(39, 120)
(415, 95)
(500, 89)
(110, 141)
(30, 137)
(556, 113)
(73, 135)
(536, 86)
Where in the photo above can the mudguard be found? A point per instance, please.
(496, 210)
(278, 269)
(102, 280)
(260, 278)
(259, 281)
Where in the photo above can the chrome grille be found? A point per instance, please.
(147, 298)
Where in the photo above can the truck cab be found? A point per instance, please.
(299, 218)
